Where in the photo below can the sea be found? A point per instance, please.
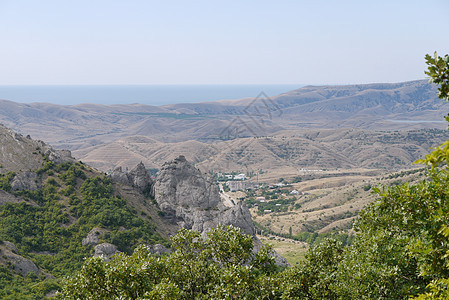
(143, 94)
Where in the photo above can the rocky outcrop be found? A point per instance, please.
(105, 250)
(10, 246)
(56, 156)
(119, 176)
(189, 198)
(20, 264)
(158, 249)
(238, 216)
(93, 237)
(139, 178)
(192, 199)
(24, 181)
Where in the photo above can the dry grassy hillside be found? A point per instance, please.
(328, 201)
(281, 155)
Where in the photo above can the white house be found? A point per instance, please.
(240, 177)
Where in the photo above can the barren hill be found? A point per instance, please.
(408, 105)
(289, 151)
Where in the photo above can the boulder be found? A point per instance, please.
(93, 237)
(158, 249)
(21, 264)
(105, 250)
(24, 181)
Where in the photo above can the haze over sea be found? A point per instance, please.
(144, 94)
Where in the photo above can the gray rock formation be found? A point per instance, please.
(105, 250)
(11, 247)
(192, 199)
(59, 156)
(238, 216)
(24, 181)
(93, 237)
(158, 249)
(56, 156)
(119, 176)
(139, 177)
(21, 264)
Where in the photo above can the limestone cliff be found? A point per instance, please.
(192, 199)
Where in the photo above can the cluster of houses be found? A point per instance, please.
(235, 177)
(240, 185)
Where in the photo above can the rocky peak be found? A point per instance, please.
(179, 183)
(139, 177)
(192, 199)
(19, 153)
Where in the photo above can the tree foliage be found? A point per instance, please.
(438, 72)
(221, 266)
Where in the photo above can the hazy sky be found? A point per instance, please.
(218, 42)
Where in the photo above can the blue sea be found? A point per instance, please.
(144, 94)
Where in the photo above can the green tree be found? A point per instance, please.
(438, 72)
(198, 268)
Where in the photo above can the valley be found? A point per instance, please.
(302, 177)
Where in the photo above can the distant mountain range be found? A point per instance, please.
(89, 127)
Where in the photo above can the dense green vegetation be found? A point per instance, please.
(222, 266)
(5, 180)
(48, 228)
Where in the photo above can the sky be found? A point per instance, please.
(218, 42)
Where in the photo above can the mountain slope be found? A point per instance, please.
(407, 105)
(290, 150)
(50, 208)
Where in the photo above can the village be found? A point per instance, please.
(278, 197)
